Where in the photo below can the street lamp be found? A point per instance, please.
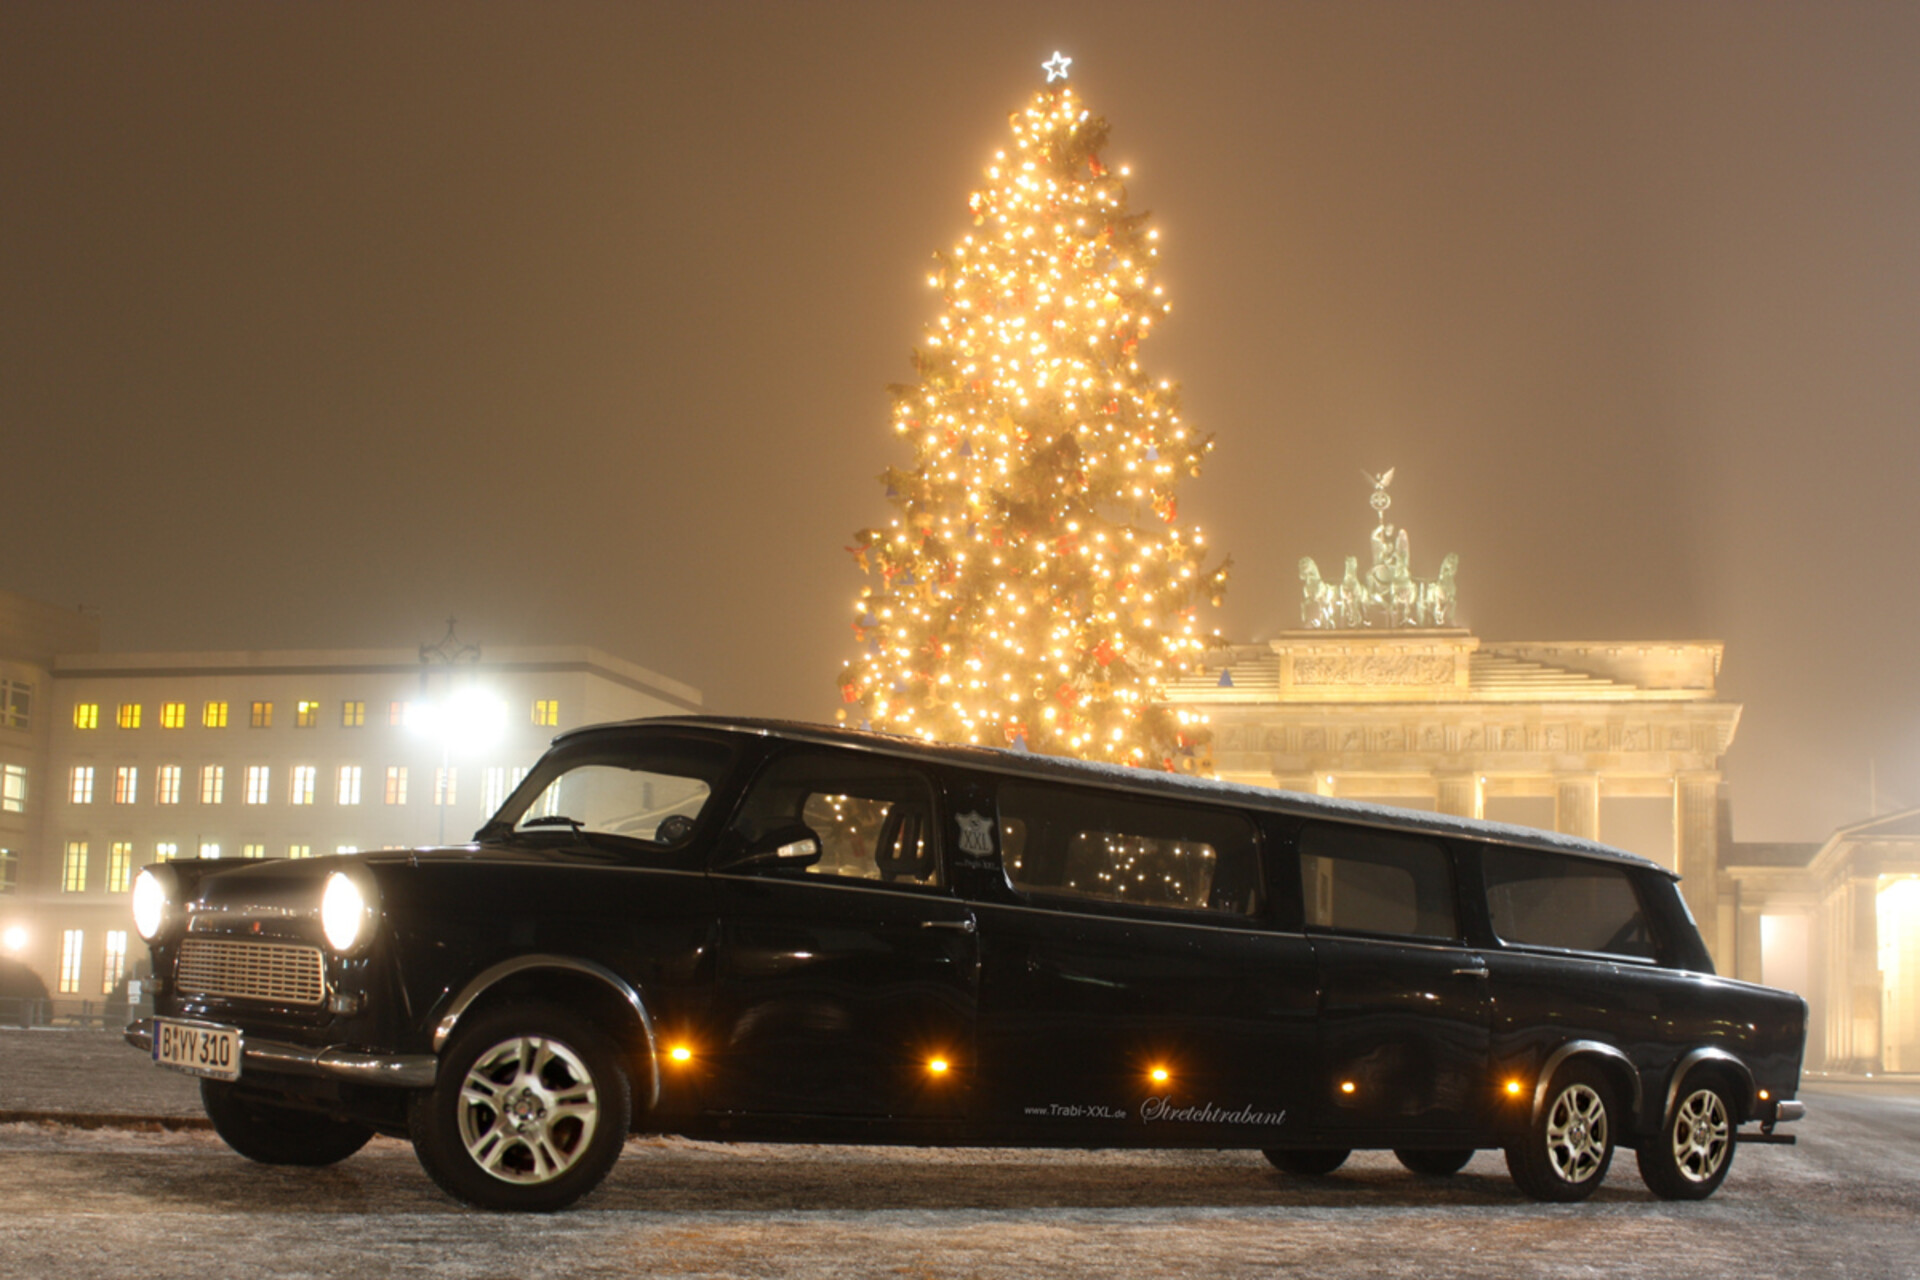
(466, 715)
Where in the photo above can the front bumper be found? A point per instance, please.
(400, 1071)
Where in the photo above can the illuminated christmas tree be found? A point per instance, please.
(1035, 588)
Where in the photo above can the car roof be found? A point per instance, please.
(1152, 782)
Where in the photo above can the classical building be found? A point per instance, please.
(111, 761)
(1839, 922)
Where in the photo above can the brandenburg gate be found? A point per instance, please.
(1380, 695)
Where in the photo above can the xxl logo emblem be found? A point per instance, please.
(976, 833)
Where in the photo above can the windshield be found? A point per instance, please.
(647, 789)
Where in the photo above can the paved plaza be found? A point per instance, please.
(132, 1197)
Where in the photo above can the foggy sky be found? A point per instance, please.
(320, 323)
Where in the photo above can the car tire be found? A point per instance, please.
(1307, 1162)
(1690, 1158)
(1441, 1162)
(530, 1112)
(1569, 1144)
(268, 1134)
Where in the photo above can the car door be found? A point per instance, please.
(1132, 991)
(846, 987)
(1405, 1014)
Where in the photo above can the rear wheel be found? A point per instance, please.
(1434, 1163)
(1570, 1143)
(1307, 1162)
(1690, 1158)
(270, 1134)
(530, 1113)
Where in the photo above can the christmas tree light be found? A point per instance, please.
(1034, 588)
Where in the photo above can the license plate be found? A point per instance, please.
(197, 1048)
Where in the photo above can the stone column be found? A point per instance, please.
(1576, 805)
(1697, 855)
(1863, 973)
(1461, 795)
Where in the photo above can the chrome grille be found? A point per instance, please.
(251, 971)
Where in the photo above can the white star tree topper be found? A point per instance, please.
(1056, 66)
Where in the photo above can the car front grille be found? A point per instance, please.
(251, 971)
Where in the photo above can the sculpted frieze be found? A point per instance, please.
(1374, 669)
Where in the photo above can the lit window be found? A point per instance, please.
(353, 714)
(398, 712)
(301, 791)
(396, 784)
(444, 782)
(73, 869)
(166, 851)
(86, 715)
(82, 791)
(13, 788)
(209, 849)
(126, 784)
(71, 941)
(546, 712)
(349, 789)
(16, 704)
(519, 776)
(213, 716)
(173, 715)
(9, 870)
(166, 785)
(299, 851)
(129, 715)
(259, 778)
(213, 783)
(119, 866)
(494, 791)
(253, 851)
(262, 715)
(306, 715)
(346, 848)
(116, 967)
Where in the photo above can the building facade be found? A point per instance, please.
(115, 761)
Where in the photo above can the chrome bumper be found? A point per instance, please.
(402, 1071)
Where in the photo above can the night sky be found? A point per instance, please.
(322, 322)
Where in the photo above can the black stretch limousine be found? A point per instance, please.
(761, 931)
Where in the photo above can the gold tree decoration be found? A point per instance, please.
(1035, 588)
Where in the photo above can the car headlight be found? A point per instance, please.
(151, 891)
(346, 912)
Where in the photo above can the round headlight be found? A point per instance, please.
(343, 911)
(149, 904)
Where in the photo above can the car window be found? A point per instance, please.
(874, 816)
(1060, 840)
(653, 790)
(1550, 900)
(1352, 879)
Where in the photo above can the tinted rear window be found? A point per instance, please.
(1549, 900)
(1353, 879)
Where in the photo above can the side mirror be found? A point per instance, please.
(794, 846)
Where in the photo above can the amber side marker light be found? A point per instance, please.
(680, 1053)
(1764, 1095)
(1513, 1088)
(1347, 1086)
(1159, 1075)
(938, 1066)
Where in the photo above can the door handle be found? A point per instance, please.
(1474, 972)
(964, 926)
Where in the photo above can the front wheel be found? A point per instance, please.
(1570, 1143)
(1307, 1162)
(530, 1113)
(1690, 1158)
(269, 1134)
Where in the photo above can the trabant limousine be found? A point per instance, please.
(759, 931)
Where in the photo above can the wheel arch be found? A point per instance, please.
(1717, 1064)
(589, 988)
(1617, 1067)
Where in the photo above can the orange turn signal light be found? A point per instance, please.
(938, 1066)
(1159, 1075)
(680, 1053)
